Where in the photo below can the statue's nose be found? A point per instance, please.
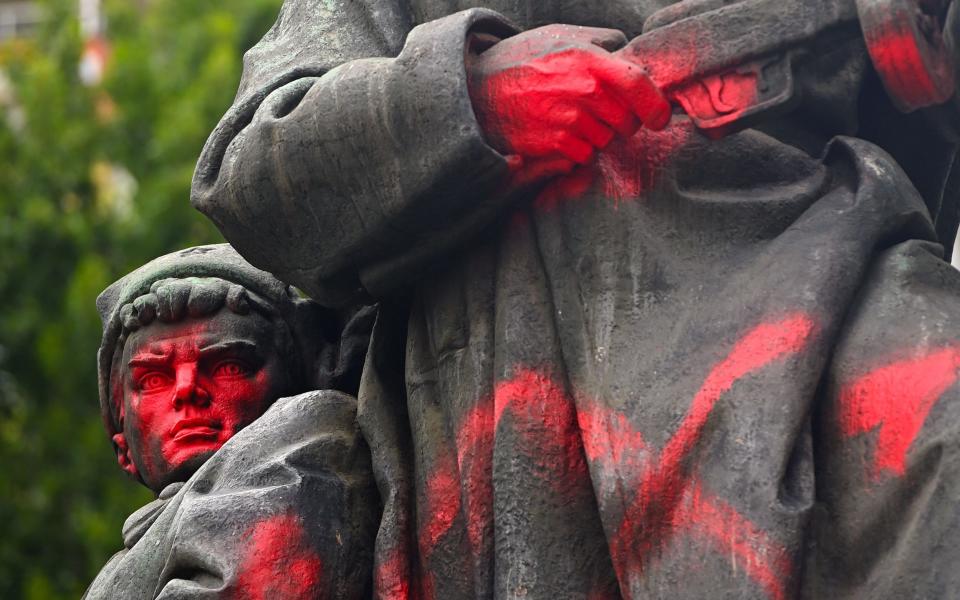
(187, 390)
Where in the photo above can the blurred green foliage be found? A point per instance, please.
(94, 181)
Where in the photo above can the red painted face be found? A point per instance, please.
(190, 386)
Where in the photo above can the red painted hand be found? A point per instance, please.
(551, 97)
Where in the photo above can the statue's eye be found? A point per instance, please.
(153, 381)
(230, 368)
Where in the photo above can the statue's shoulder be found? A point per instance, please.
(299, 417)
(316, 402)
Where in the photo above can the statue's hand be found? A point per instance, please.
(550, 97)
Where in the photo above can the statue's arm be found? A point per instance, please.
(382, 157)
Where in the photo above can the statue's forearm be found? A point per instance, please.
(379, 156)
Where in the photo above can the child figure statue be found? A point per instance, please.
(261, 493)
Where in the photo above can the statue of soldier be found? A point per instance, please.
(261, 493)
(615, 358)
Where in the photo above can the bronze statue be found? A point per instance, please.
(264, 487)
(616, 357)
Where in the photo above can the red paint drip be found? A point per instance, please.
(278, 564)
(896, 398)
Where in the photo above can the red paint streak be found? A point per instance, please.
(443, 504)
(898, 59)
(543, 414)
(610, 437)
(896, 398)
(278, 564)
(391, 578)
(656, 512)
(474, 457)
(764, 560)
(761, 346)
(668, 500)
(468, 481)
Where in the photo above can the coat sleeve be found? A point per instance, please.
(338, 167)
(888, 437)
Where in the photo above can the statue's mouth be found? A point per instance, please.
(195, 427)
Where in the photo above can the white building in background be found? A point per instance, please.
(18, 18)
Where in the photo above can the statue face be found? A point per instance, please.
(190, 386)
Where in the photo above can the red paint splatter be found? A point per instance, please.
(623, 171)
(896, 399)
(278, 563)
(714, 101)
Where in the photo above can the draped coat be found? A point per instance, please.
(690, 368)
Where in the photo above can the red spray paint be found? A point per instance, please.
(895, 400)
(278, 563)
(392, 577)
(191, 386)
(549, 105)
(668, 499)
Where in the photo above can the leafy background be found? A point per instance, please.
(94, 181)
